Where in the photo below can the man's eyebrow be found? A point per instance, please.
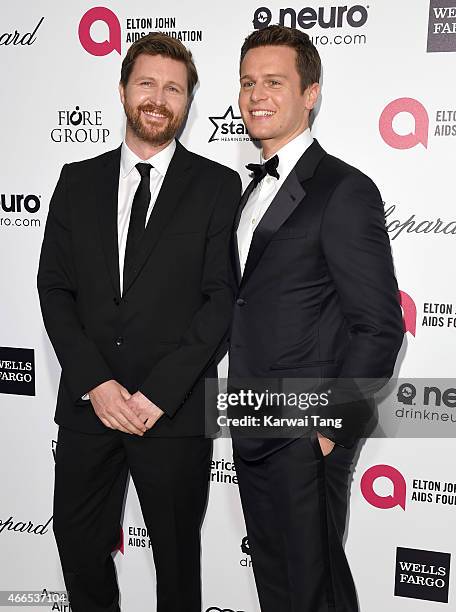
(269, 75)
(149, 78)
(179, 85)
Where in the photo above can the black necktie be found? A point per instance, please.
(261, 170)
(138, 215)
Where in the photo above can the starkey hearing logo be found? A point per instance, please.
(419, 135)
(398, 489)
(107, 46)
(228, 127)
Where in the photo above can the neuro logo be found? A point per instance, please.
(408, 312)
(15, 202)
(384, 502)
(245, 545)
(406, 394)
(246, 561)
(262, 18)
(100, 13)
(325, 17)
(410, 140)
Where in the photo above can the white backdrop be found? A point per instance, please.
(377, 56)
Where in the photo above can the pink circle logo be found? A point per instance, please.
(388, 501)
(100, 13)
(404, 141)
(409, 312)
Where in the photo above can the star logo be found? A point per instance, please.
(228, 124)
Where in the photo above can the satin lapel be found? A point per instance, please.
(170, 196)
(107, 190)
(282, 206)
(234, 243)
(287, 198)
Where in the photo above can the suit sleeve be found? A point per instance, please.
(83, 367)
(358, 254)
(203, 340)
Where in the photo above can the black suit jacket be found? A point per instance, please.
(169, 327)
(318, 298)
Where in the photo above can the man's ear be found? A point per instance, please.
(312, 93)
(122, 93)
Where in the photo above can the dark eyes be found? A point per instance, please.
(248, 84)
(170, 87)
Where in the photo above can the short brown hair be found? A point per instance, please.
(157, 43)
(308, 62)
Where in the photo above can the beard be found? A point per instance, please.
(148, 130)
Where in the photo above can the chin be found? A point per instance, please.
(260, 135)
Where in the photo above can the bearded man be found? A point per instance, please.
(135, 295)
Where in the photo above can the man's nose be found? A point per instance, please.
(158, 96)
(258, 93)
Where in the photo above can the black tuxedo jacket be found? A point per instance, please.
(169, 327)
(318, 298)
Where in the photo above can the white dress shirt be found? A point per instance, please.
(129, 180)
(263, 194)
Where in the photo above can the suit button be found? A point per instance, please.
(119, 341)
(116, 301)
(240, 302)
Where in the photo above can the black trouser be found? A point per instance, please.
(295, 505)
(171, 477)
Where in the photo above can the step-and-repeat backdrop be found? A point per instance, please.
(388, 106)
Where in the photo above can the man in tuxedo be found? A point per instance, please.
(136, 299)
(316, 299)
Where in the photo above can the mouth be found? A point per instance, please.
(261, 113)
(154, 114)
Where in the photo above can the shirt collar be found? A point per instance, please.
(291, 152)
(160, 161)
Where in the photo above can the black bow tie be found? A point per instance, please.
(261, 170)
